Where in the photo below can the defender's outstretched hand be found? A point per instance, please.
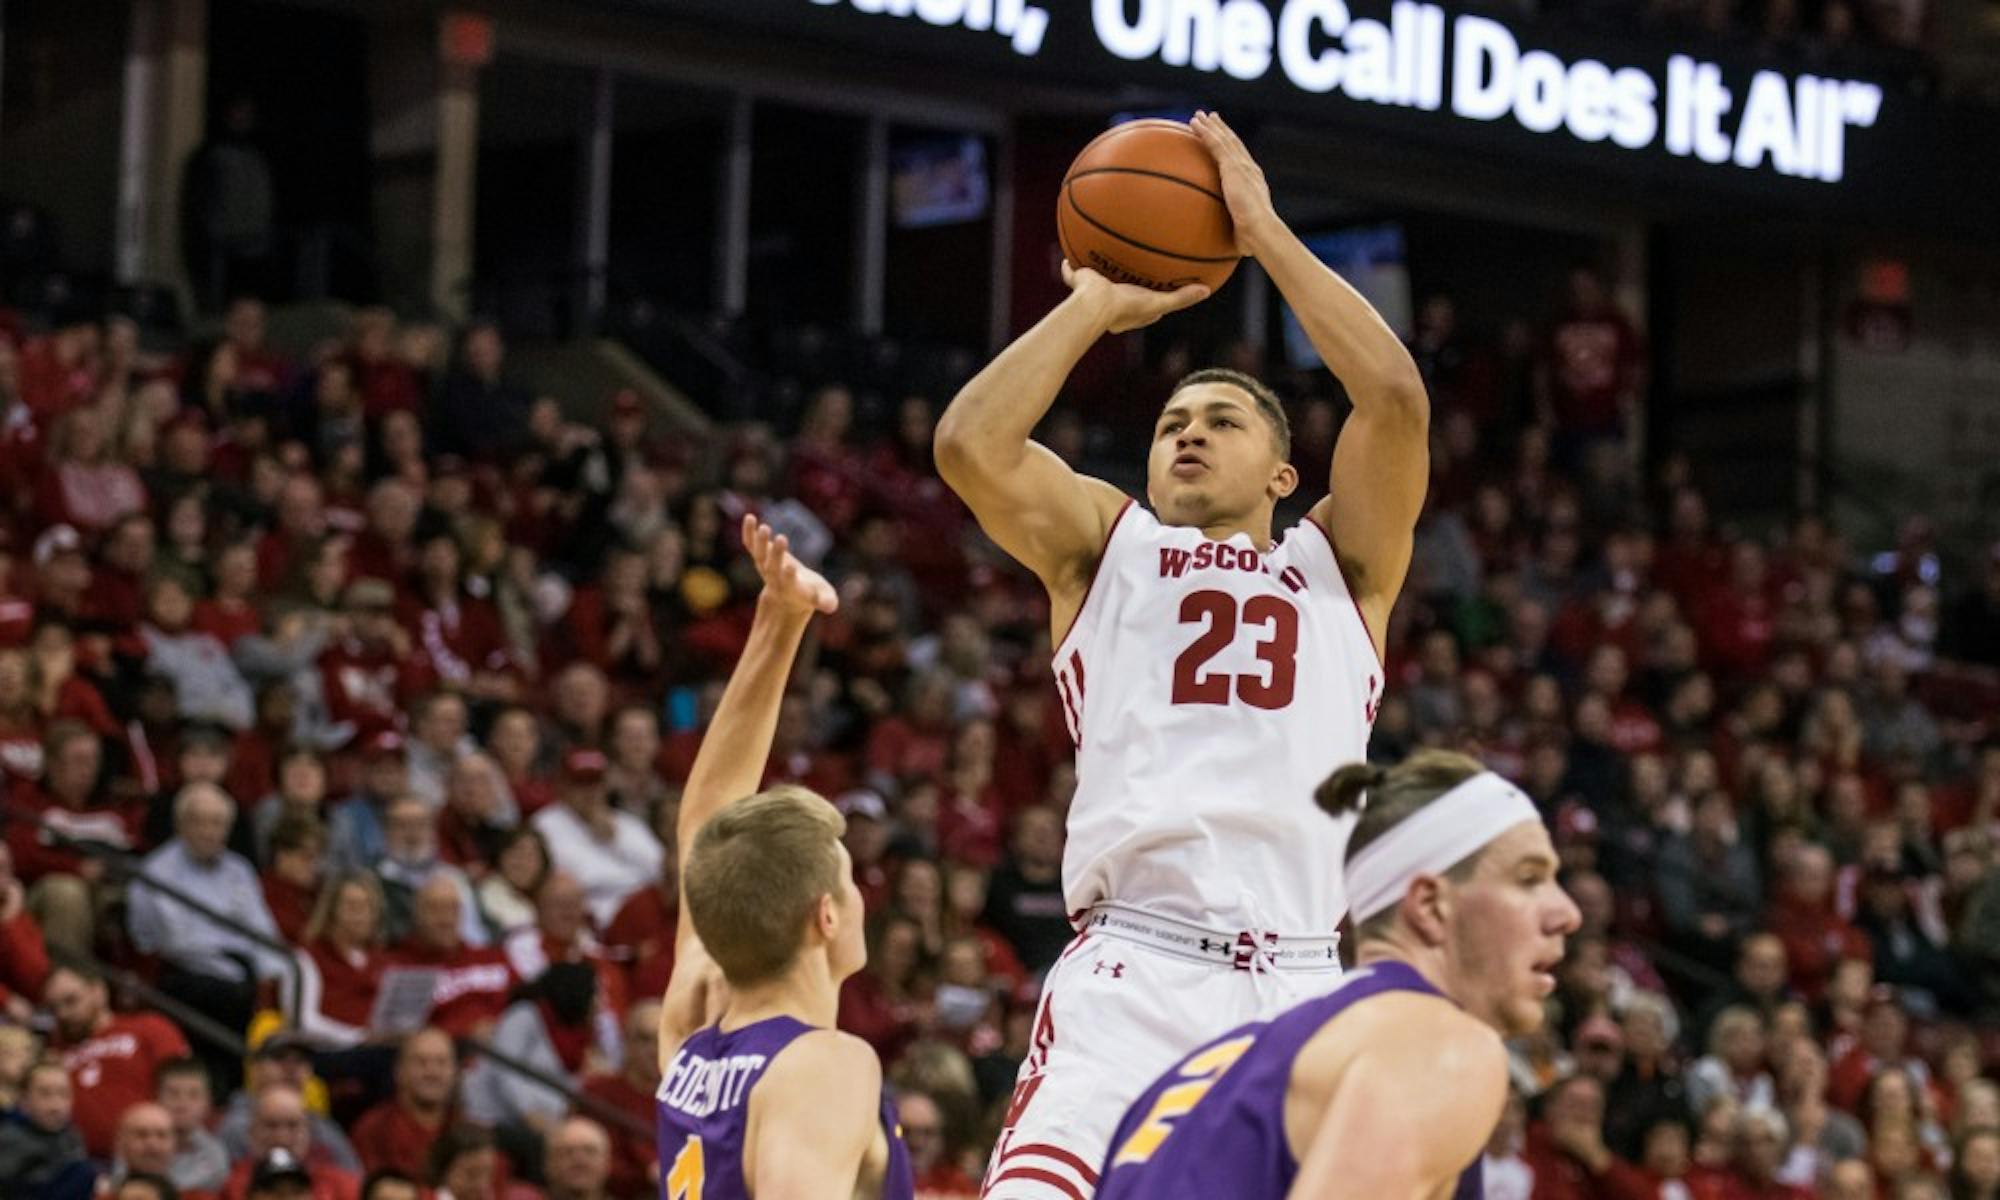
(1127, 306)
(788, 582)
(1243, 187)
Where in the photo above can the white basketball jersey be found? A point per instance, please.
(1210, 687)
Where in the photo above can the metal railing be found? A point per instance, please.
(124, 865)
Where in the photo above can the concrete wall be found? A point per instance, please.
(65, 87)
(1918, 430)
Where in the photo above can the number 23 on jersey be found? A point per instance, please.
(1199, 1074)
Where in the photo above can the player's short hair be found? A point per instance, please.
(1266, 400)
(1387, 796)
(754, 874)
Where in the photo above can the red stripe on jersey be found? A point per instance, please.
(1076, 667)
(1070, 706)
(1334, 548)
(1056, 1153)
(1038, 1175)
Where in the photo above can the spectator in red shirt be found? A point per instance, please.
(84, 485)
(259, 368)
(634, 1159)
(24, 958)
(340, 966)
(1566, 1148)
(383, 549)
(229, 613)
(397, 1134)
(474, 981)
(922, 1121)
(1803, 917)
(387, 382)
(477, 815)
(515, 741)
(916, 742)
(278, 1125)
(562, 934)
(118, 585)
(291, 881)
(300, 525)
(62, 882)
(610, 623)
(582, 707)
(1883, 1045)
(641, 934)
(1595, 361)
(110, 1057)
(880, 1004)
(366, 675)
(458, 634)
(1738, 620)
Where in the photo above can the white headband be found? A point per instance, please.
(1433, 840)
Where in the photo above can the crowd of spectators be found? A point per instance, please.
(401, 668)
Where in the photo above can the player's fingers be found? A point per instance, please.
(1185, 295)
(1068, 274)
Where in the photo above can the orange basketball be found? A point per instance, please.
(1143, 204)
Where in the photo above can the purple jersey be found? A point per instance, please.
(704, 1109)
(1214, 1125)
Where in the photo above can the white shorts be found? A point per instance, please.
(1118, 1008)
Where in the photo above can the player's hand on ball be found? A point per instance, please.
(1127, 306)
(1243, 187)
(788, 582)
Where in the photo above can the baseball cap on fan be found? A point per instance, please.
(280, 1173)
(862, 802)
(583, 765)
(57, 539)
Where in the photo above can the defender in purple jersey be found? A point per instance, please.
(759, 1094)
(1389, 1087)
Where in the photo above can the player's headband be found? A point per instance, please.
(1433, 840)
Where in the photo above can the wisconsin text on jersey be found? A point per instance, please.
(1176, 562)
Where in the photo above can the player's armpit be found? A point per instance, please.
(693, 999)
(1048, 517)
(1381, 471)
(813, 1117)
(1413, 1108)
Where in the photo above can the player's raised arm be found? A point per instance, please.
(1381, 466)
(1364, 1148)
(731, 762)
(831, 1084)
(1053, 520)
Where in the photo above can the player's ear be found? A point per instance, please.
(1427, 907)
(1285, 481)
(826, 916)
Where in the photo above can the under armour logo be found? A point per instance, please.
(1330, 951)
(1373, 704)
(1117, 969)
(1207, 945)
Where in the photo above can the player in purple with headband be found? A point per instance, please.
(1389, 1086)
(759, 1094)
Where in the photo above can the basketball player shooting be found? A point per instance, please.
(1388, 1088)
(1210, 676)
(768, 1099)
